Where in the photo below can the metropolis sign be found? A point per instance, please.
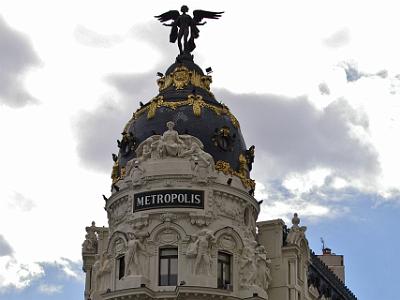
(168, 199)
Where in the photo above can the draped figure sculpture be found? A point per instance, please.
(183, 25)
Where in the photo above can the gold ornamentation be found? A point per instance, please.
(225, 131)
(115, 174)
(154, 104)
(181, 77)
(206, 81)
(243, 164)
(123, 172)
(224, 167)
(161, 83)
(243, 174)
(196, 101)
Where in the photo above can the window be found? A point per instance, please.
(224, 270)
(121, 266)
(168, 266)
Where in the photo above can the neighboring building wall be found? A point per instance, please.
(297, 273)
(289, 260)
(334, 262)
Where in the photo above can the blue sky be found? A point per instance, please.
(314, 85)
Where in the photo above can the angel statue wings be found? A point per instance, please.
(183, 24)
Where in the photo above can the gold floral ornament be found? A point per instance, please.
(243, 173)
(197, 103)
(181, 77)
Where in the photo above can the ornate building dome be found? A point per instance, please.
(185, 98)
(182, 215)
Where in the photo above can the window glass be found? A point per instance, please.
(163, 271)
(121, 267)
(168, 266)
(224, 270)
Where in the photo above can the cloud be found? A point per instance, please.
(91, 38)
(339, 39)
(5, 248)
(324, 89)
(16, 57)
(353, 73)
(21, 202)
(50, 289)
(69, 268)
(395, 84)
(47, 277)
(291, 135)
(14, 274)
(98, 130)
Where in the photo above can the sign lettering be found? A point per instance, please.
(168, 199)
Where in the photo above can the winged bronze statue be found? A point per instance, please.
(183, 25)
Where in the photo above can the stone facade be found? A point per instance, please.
(224, 223)
(173, 198)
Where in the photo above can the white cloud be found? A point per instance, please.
(20, 202)
(16, 57)
(5, 248)
(305, 182)
(50, 289)
(338, 39)
(14, 274)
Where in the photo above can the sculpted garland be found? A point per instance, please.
(196, 101)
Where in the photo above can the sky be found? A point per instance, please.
(315, 86)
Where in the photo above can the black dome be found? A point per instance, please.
(184, 98)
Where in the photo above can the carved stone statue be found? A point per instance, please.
(136, 249)
(95, 270)
(248, 268)
(201, 250)
(296, 232)
(135, 171)
(170, 143)
(183, 25)
(202, 162)
(147, 151)
(104, 273)
(90, 243)
(263, 277)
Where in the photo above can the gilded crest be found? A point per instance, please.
(181, 77)
(223, 139)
